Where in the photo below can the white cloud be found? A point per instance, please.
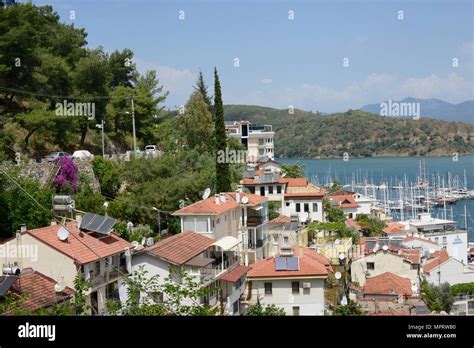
(267, 81)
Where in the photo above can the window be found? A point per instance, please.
(278, 188)
(268, 288)
(298, 207)
(306, 207)
(296, 311)
(260, 141)
(436, 239)
(414, 266)
(236, 307)
(445, 240)
(295, 287)
(218, 220)
(234, 214)
(213, 223)
(285, 239)
(270, 189)
(370, 265)
(287, 204)
(275, 238)
(315, 207)
(262, 190)
(97, 268)
(252, 189)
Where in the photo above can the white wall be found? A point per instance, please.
(456, 244)
(452, 272)
(310, 301)
(290, 209)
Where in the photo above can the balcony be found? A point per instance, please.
(251, 244)
(218, 268)
(254, 220)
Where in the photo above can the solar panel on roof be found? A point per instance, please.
(6, 283)
(97, 223)
(280, 264)
(292, 263)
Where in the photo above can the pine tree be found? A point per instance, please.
(223, 181)
(202, 88)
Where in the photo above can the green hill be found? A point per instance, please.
(360, 134)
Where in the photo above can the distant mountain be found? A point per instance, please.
(435, 108)
(303, 134)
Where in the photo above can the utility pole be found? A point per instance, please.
(133, 125)
(101, 126)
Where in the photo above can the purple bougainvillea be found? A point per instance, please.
(67, 176)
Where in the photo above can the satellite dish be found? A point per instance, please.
(431, 251)
(385, 247)
(342, 256)
(206, 193)
(129, 225)
(135, 244)
(106, 205)
(59, 287)
(63, 234)
(244, 200)
(143, 241)
(337, 242)
(337, 275)
(150, 241)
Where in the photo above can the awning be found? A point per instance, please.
(235, 274)
(199, 261)
(226, 243)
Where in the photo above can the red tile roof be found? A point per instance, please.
(310, 264)
(39, 290)
(389, 312)
(394, 228)
(297, 182)
(235, 274)
(412, 255)
(281, 219)
(181, 247)
(353, 223)
(209, 207)
(344, 201)
(387, 284)
(436, 259)
(80, 246)
(307, 190)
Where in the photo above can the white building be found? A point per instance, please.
(352, 203)
(446, 233)
(440, 268)
(239, 215)
(294, 281)
(216, 263)
(257, 139)
(286, 231)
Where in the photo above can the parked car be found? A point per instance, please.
(82, 154)
(151, 150)
(54, 155)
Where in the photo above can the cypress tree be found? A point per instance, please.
(202, 88)
(223, 181)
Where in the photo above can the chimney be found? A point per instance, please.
(223, 198)
(23, 228)
(301, 252)
(237, 196)
(216, 196)
(78, 220)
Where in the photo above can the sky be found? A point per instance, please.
(282, 53)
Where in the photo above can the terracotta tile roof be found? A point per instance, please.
(344, 201)
(39, 290)
(297, 182)
(387, 284)
(181, 247)
(410, 238)
(282, 219)
(412, 255)
(307, 190)
(394, 228)
(235, 274)
(353, 223)
(209, 207)
(252, 181)
(435, 259)
(80, 246)
(309, 265)
(389, 312)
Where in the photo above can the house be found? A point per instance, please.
(293, 280)
(286, 231)
(239, 215)
(258, 140)
(267, 164)
(388, 286)
(352, 203)
(39, 291)
(440, 267)
(427, 246)
(382, 258)
(395, 229)
(303, 199)
(446, 233)
(214, 262)
(103, 259)
(266, 183)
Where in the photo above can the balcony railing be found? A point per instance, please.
(254, 220)
(216, 269)
(251, 244)
(464, 298)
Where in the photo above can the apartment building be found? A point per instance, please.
(352, 203)
(61, 254)
(257, 139)
(440, 268)
(237, 215)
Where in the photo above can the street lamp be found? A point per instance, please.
(133, 126)
(159, 224)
